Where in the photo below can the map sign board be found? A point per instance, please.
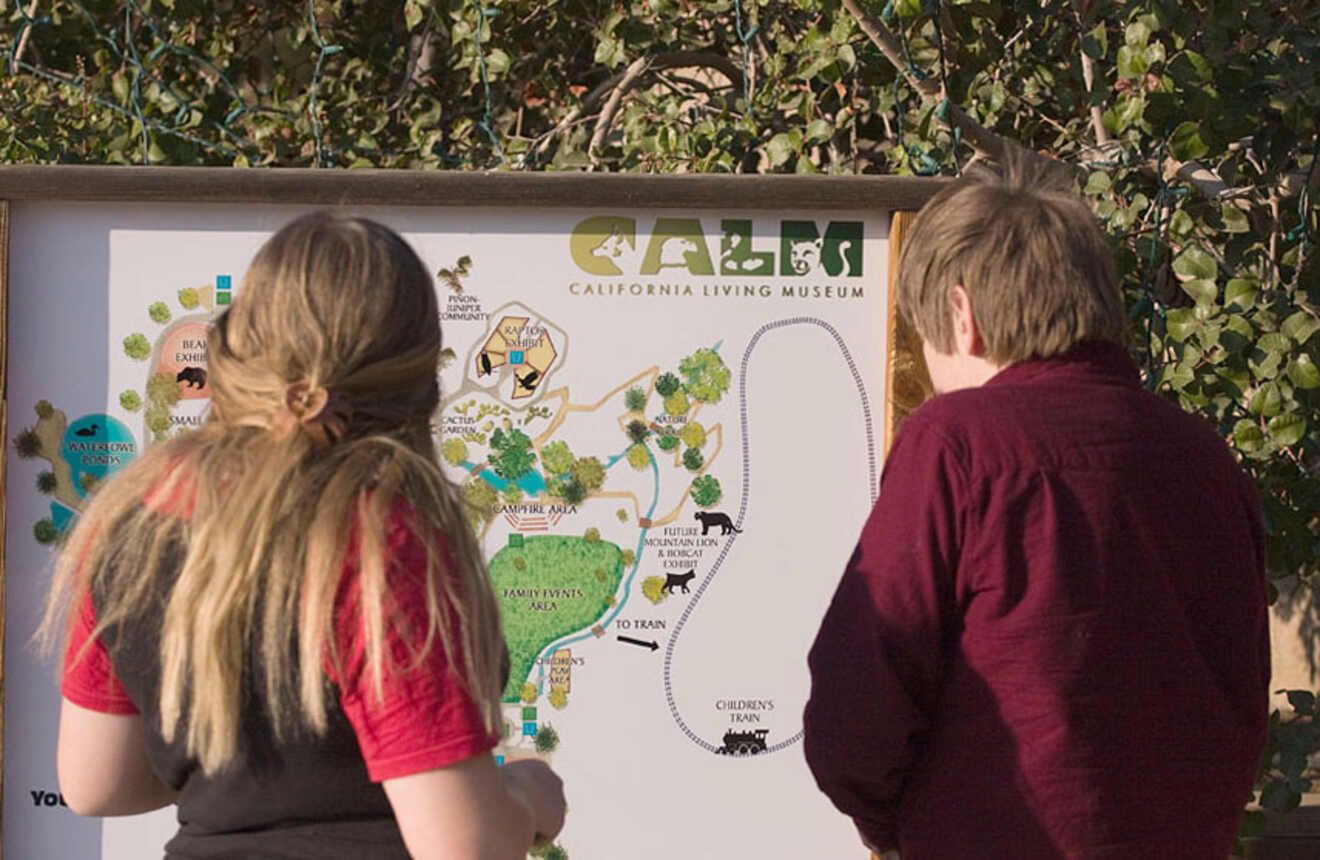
(669, 421)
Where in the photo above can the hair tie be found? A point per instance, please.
(322, 412)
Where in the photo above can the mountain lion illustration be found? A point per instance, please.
(716, 518)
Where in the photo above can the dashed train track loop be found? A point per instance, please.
(742, 506)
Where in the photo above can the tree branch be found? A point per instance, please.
(636, 69)
(612, 84)
(22, 42)
(420, 54)
(987, 143)
(984, 141)
(1102, 138)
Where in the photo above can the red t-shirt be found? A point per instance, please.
(426, 719)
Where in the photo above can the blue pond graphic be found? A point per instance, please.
(96, 445)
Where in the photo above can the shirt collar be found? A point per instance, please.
(1090, 358)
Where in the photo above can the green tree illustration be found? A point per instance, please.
(130, 400)
(638, 457)
(634, 399)
(706, 490)
(637, 431)
(667, 383)
(556, 457)
(137, 347)
(692, 459)
(706, 377)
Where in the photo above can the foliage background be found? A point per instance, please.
(1192, 127)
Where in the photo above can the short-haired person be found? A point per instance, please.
(281, 621)
(1051, 640)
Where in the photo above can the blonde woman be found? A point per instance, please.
(281, 621)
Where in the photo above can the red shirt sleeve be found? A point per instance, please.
(88, 678)
(877, 662)
(426, 720)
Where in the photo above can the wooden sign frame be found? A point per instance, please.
(906, 382)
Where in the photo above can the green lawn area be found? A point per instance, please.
(562, 588)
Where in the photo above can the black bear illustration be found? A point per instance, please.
(89, 430)
(716, 518)
(194, 376)
(679, 579)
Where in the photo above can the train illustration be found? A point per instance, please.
(744, 743)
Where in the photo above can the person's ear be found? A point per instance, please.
(966, 334)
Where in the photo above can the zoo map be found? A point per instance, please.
(664, 502)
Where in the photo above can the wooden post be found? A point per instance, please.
(907, 382)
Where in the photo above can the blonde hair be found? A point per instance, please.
(250, 582)
(1031, 256)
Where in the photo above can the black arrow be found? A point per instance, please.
(653, 645)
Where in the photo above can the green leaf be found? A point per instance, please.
(819, 131)
(1181, 322)
(412, 13)
(1179, 376)
(1201, 64)
(610, 52)
(497, 63)
(1092, 47)
(1236, 378)
(1137, 33)
(1266, 401)
(908, 8)
(1242, 292)
(780, 148)
(1300, 326)
(1129, 110)
(1132, 62)
(1194, 262)
(1287, 429)
(1273, 343)
(1098, 41)
(1303, 372)
(1181, 224)
(1247, 436)
(847, 57)
(1235, 220)
(1097, 183)
(1185, 144)
(1202, 290)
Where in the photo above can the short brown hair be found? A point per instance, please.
(1031, 256)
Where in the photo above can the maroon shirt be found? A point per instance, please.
(1051, 640)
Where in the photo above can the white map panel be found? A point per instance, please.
(672, 421)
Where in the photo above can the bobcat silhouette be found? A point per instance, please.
(716, 518)
(804, 256)
(194, 376)
(679, 579)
